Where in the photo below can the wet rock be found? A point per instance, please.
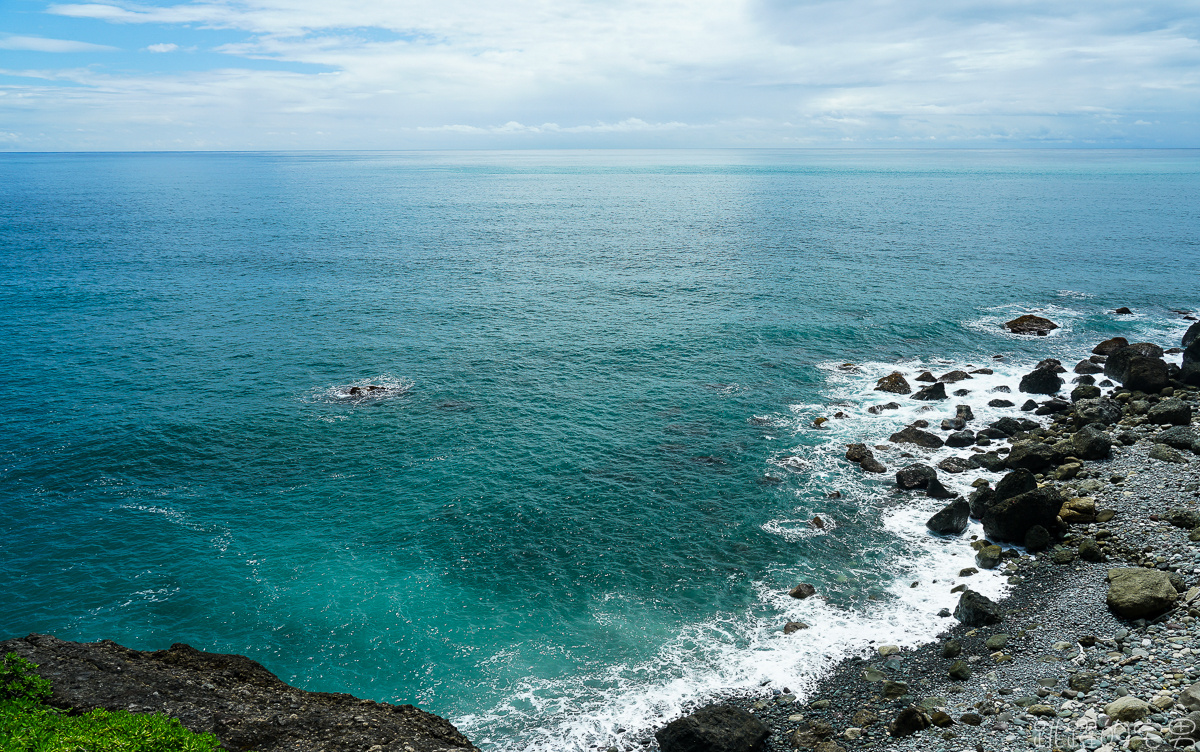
(1067, 471)
(1001, 403)
(1041, 381)
(1031, 325)
(231, 696)
(911, 435)
(1147, 375)
(1088, 367)
(803, 590)
(877, 409)
(1014, 484)
(794, 626)
(926, 376)
(1177, 437)
(990, 461)
(988, 557)
(936, 391)
(1084, 391)
(975, 610)
(915, 476)
(910, 720)
(1137, 593)
(951, 649)
(980, 499)
(857, 452)
(951, 519)
(1053, 406)
(1010, 519)
(1173, 412)
(1029, 405)
(953, 424)
(953, 377)
(1089, 550)
(716, 728)
(894, 689)
(964, 438)
(895, 383)
(1110, 346)
(955, 465)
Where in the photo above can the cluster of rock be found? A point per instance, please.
(1047, 503)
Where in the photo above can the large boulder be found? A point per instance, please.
(1138, 593)
(894, 382)
(1190, 336)
(1010, 519)
(1084, 367)
(963, 438)
(980, 499)
(1117, 365)
(952, 519)
(1091, 443)
(1041, 381)
(1171, 412)
(1014, 484)
(1110, 346)
(912, 435)
(935, 391)
(1147, 375)
(975, 610)
(1030, 324)
(716, 728)
(1102, 411)
(1031, 455)
(1179, 437)
(909, 721)
(915, 476)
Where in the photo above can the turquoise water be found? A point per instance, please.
(551, 523)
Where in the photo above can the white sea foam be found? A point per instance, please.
(363, 391)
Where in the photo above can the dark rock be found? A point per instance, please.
(1083, 681)
(971, 719)
(927, 376)
(1041, 381)
(951, 649)
(1029, 405)
(716, 728)
(964, 412)
(953, 377)
(1007, 426)
(1123, 311)
(1109, 346)
(915, 476)
(1102, 411)
(975, 610)
(1088, 367)
(953, 424)
(1062, 556)
(895, 383)
(1014, 484)
(1147, 375)
(911, 435)
(872, 465)
(1191, 335)
(1137, 593)
(857, 452)
(1002, 389)
(877, 409)
(1085, 380)
(1001, 403)
(794, 626)
(910, 720)
(1030, 324)
(1083, 391)
(1091, 443)
(964, 438)
(955, 465)
(1089, 550)
(802, 591)
(980, 500)
(1163, 453)
(1173, 411)
(991, 433)
(1053, 364)
(935, 391)
(1032, 456)
(988, 557)
(1178, 437)
(1052, 406)
(952, 519)
(935, 490)
(990, 461)
(1010, 519)
(1037, 539)
(230, 696)
(1184, 518)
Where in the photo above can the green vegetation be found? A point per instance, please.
(28, 724)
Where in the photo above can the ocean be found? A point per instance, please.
(574, 504)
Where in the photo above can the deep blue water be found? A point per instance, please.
(551, 522)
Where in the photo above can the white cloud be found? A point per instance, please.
(704, 72)
(41, 44)
(165, 47)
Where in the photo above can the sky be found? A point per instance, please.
(479, 74)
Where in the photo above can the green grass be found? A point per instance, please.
(28, 724)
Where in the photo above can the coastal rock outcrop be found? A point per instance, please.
(716, 728)
(913, 435)
(235, 698)
(1030, 324)
(1041, 381)
(894, 382)
(1010, 519)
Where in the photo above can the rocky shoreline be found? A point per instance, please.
(1097, 521)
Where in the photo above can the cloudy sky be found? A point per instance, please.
(394, 74)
